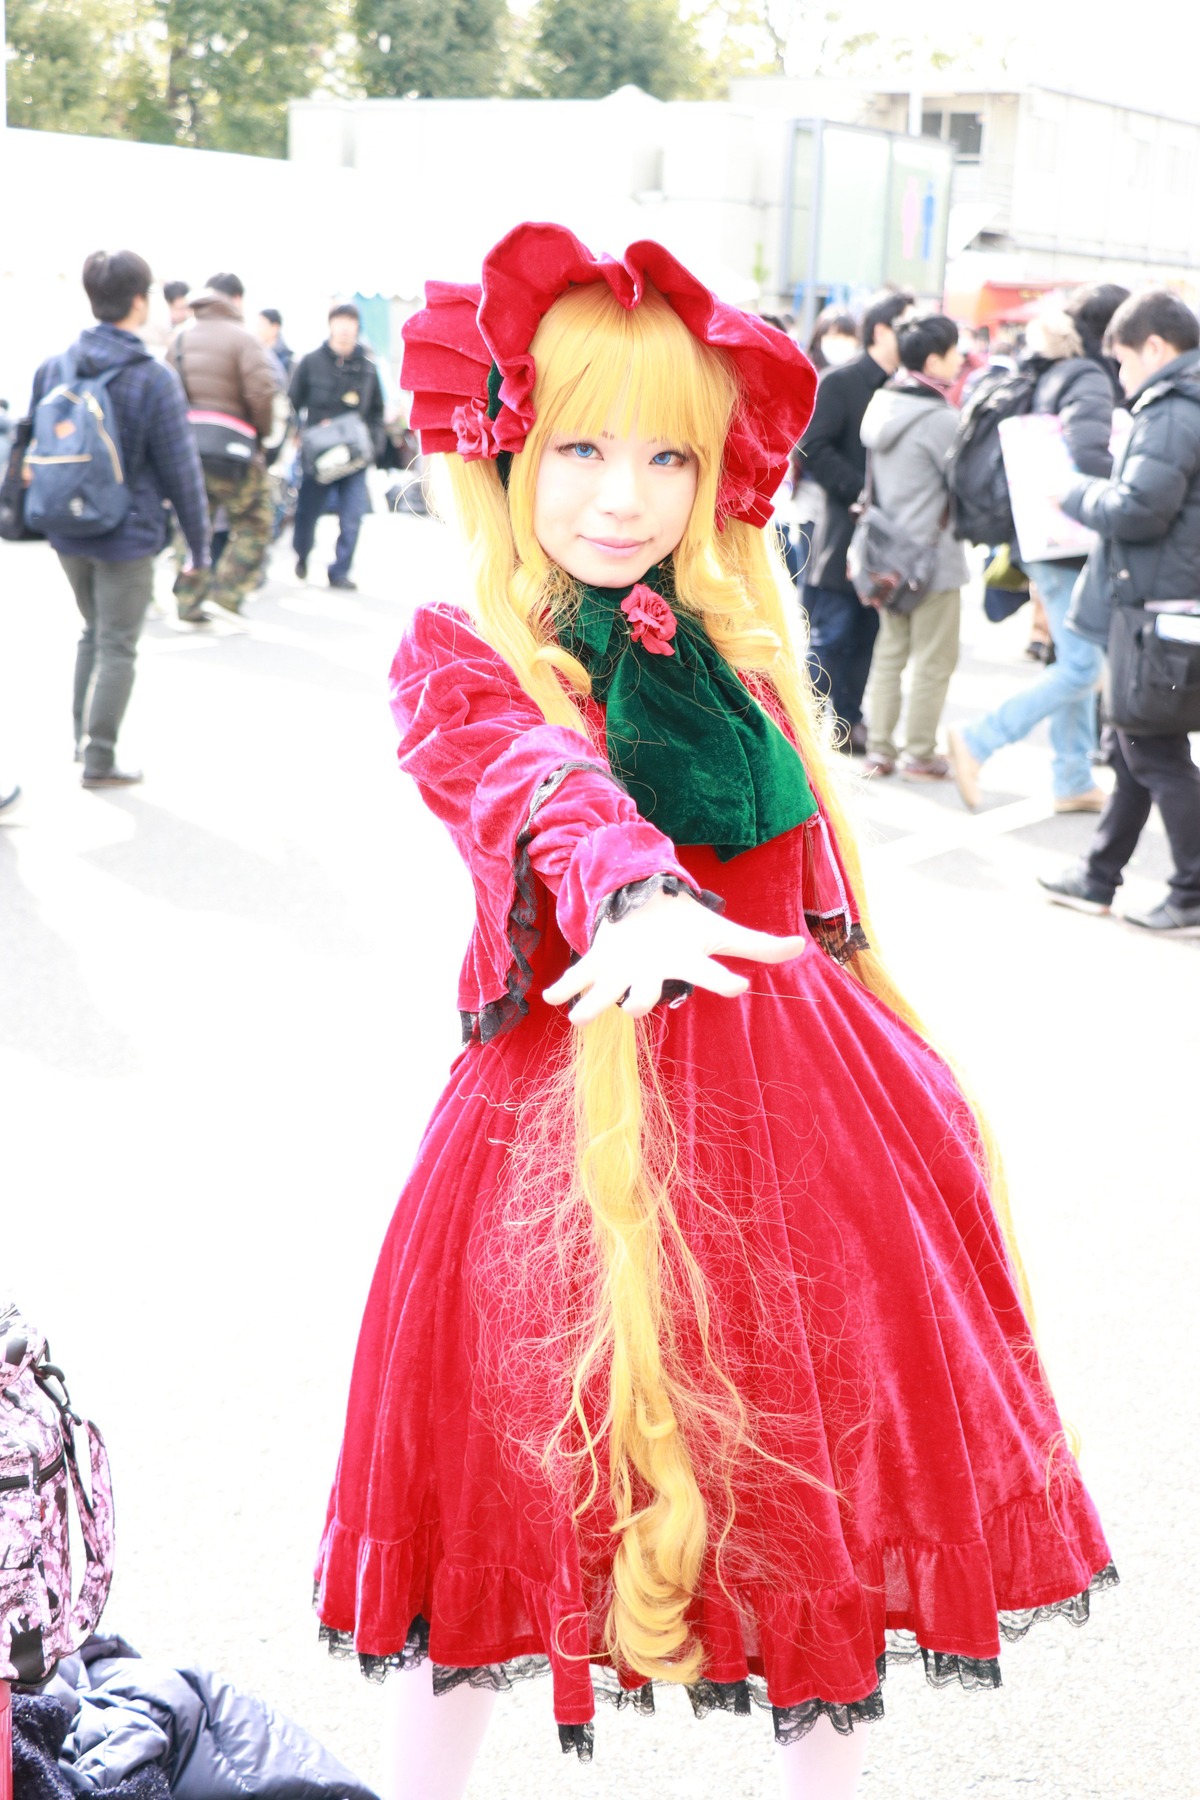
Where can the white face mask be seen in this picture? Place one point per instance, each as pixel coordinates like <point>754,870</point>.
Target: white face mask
<point>838,350</point>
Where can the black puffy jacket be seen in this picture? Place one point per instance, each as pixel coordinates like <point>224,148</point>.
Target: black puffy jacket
<point>1080,392</point>
<point>1148,514</point>
<point>209,1740</point>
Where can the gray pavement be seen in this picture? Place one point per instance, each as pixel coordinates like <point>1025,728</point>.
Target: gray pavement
<point>226,1006</point>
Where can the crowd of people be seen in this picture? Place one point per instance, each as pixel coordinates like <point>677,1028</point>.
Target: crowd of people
<point>189,425</point>
<point>898,407</point>
<point>226,436</point>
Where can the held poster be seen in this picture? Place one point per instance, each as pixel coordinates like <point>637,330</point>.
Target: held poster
<point>1038,466</point>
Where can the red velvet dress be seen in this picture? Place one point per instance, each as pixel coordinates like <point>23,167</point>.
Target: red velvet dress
<point>829,1188</point>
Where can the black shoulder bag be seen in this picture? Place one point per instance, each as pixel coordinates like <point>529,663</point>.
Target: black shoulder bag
<point>888,569</point>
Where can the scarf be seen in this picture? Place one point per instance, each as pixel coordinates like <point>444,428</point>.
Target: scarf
<point>701,759</point>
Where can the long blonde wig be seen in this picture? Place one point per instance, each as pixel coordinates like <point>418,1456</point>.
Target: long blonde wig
<point>601,367</point>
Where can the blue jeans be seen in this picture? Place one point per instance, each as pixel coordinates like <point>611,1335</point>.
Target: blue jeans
<point>347,498</point>
<point>1064,694</point>
<point>841,639</point>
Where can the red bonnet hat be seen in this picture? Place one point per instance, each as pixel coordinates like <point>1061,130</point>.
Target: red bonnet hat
<point>463,332</point>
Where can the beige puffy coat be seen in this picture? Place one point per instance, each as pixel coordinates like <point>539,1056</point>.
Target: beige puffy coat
<point>223,366</point>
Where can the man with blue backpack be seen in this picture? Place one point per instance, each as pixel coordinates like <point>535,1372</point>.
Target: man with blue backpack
<point>110,448</point>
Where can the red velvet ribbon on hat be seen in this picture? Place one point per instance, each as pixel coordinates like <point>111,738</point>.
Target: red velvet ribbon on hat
<point>452,343</point>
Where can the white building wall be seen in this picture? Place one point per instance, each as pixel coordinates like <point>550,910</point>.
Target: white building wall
<point>458,174</point>
<point>1080,187</point>
<point>298,237</point>
<point>1095,181</point>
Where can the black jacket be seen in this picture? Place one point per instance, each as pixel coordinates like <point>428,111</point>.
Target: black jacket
<point>1148,514</point>
<point>208,1740</point>
<point>324,386</point>
<point>835,458</point>
<point>1081,392</point>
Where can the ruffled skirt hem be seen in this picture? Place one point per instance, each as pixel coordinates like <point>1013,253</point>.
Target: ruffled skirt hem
<point>804,1653</point>
<point>742,1697</point>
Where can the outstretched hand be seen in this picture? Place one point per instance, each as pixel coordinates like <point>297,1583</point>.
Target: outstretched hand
<point>670,938</point>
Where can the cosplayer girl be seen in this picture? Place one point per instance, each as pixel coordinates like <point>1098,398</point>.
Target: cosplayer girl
<point>697,1351</point>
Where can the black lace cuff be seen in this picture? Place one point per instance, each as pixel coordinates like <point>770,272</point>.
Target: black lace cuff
<point>624,900</point>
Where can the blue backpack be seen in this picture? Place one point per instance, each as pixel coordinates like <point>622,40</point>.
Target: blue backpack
<point>78,486</point>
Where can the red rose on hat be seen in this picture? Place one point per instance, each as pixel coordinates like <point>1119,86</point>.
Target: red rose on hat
<point>473,431</point>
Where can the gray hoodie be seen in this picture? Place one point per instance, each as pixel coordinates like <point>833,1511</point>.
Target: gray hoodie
<point>908,429</point>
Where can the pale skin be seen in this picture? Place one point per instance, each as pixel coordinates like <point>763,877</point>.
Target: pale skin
<point>945,368</point>
<point>1137,366</point>
<point>606,510</point>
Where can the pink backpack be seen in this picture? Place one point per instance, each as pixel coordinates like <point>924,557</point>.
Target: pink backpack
<point>39,1469</point>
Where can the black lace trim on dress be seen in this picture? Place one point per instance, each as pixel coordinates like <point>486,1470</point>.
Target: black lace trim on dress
<point>833,935</point>
<point>499,1016</point>
<point>791,1723</point>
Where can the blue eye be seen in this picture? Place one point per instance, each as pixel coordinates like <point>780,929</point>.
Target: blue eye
<point>669,459</point>
<point>584,451</point>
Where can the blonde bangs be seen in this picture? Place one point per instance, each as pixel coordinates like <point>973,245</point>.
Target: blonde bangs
<point>603,367</point>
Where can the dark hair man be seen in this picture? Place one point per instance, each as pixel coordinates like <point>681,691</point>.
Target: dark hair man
<point>268,327</point>
<point>1148,518</point>
<point>112,576</point>
<point>225,370</point>
<point>229,285</point>
<point>842,630</point>
<point>908,429</point>
<point>335,379</point>
<point>175,294</point>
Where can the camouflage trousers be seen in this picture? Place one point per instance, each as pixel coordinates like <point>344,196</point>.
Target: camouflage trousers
<point>246,499</point>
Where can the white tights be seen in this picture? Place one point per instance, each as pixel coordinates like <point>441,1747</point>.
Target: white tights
<point>822,1766</point>
<point>437,1738</point>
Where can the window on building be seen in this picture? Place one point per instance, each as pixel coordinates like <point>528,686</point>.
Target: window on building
<point>962,129</point>
<point>966,134</point>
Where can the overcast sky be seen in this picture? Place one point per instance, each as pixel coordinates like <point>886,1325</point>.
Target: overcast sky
<point>1143,59</point>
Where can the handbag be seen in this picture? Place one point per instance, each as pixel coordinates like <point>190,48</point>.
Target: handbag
<point>336,448</point>
<point>13,525</point>
<point>889,569</point>
<point>225,443</point>
<point>1152,678</point>
<point>40,1623</point>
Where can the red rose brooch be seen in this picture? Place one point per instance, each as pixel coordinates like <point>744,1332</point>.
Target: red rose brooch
<point>651,621</point>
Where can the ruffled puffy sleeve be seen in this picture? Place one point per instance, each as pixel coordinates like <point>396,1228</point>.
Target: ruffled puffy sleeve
<point>529,805</point>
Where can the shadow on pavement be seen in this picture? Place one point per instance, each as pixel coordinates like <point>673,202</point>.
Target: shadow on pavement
<point>46,1008</point>
<point>197,871</point>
